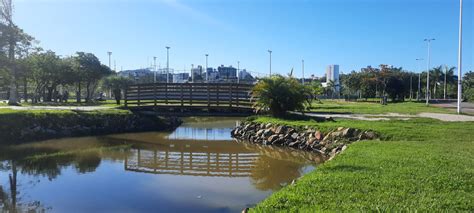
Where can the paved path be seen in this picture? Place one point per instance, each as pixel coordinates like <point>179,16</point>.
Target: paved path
<point>388,116</point>
<point>467,108</point>
<point>79,108</point>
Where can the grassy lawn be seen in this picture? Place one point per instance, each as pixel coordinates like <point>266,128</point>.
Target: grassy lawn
<point>374,108</point>
<point>420,164</point>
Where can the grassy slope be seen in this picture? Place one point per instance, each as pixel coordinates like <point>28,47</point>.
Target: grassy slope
<point>420,164</point>
<point>374,108</point>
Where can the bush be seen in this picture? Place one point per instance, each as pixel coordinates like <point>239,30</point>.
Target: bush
<point>279,95</point>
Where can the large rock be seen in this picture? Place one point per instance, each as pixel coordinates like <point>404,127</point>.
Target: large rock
<point>311,141</point>
<point>281,129</point>
<point>318,135</point>
<point>272,138</point>
<point>268,126</point>
<point>267,133</point>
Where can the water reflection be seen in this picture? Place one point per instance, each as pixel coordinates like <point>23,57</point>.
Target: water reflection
<point>231,175</point>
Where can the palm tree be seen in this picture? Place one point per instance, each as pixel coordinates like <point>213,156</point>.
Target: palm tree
<point>435,78</point>
<point>448,78</point>
<point>280,94</point>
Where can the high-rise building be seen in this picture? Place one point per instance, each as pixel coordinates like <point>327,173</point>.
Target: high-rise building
<point>332,74</point>
<point>227,73</point>
<point>180,77</point>
<point>197,72</point>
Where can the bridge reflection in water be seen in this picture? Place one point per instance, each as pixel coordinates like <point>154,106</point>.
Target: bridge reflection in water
<point>219,158</point>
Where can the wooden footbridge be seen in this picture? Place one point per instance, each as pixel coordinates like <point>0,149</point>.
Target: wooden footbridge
<point>201,96</point>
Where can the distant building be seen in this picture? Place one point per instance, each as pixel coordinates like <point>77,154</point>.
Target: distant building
<point>180,77</point>
<point>245,76</point>
<point>138,75</point>
<point>212,73</point>
<point>135,73</point>
<point>197,73</point>
<point>332,74</point>
<point>227,73</point>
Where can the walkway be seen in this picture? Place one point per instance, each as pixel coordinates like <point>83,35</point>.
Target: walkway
<point>388,116</point>
<point>77,108</point>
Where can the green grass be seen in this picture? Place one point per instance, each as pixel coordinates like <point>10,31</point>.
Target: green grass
<point>420,164</point>
<point>374,108</point>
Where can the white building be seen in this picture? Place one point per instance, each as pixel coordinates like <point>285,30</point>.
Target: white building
<point>180,77</point>
<point>332,74</point>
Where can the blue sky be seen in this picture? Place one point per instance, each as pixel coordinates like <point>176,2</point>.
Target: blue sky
<point>351,33</point>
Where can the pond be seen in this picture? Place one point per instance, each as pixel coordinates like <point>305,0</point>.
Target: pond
<point>196,168</point>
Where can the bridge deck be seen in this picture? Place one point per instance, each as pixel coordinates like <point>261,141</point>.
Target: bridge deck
<point>190,96</point>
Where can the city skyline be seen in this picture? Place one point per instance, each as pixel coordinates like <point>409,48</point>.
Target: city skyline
<point>314,31</point>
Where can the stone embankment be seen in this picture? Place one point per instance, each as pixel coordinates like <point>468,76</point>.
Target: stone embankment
<point>327,143</point>
<point>25,127</point>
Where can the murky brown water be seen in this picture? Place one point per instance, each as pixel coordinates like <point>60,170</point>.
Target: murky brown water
<point>197,168</point>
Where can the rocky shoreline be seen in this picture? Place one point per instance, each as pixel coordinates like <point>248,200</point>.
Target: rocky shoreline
<point>329,144</point>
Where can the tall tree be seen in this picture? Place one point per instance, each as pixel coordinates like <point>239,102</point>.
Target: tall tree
<point>11,37</point>
<point>89,71</point>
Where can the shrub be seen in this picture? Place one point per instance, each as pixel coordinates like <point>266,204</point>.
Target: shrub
<point>279,95</point>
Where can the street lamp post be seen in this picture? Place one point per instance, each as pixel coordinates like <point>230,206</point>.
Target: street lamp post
<point>238,71</point>
<point>167,64</point>
<point>207,73</point>
<point>411,85</point>
<point>192,73</point>
<point>154,69</point>
<point>110,54</point>
<point>302,76</point>
<point>460,59</point>
<point>418,93</point>
<point>428,70</point>
<point>270,52</point>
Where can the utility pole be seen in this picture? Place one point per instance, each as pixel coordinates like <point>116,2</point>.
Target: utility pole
<point>418,93</point>
<point>411,90</point>
<point>207,73</point>
<point>460,59</point>
<point>445,74</point>
<point>238,71</point>
<point>270,52</point>
<point>428,70</point>
<point>192,73</point>
<point>154,69</point>
<point>110,54</point>
<point>167,64</point>
<point>302,77</point>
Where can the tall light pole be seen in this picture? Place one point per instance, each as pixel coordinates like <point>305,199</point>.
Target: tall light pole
<point>192,73</point>
<point>167,64</point>
<point>154,75</point>
<point>460,59</point>
<point>428,70</point>
<point>110,54</point>
<point>238,71</point>
<point>445,87</point>
<point>302,76</point>
<point>207,73</point>
<point>418,93</point>
<point>270,52</point>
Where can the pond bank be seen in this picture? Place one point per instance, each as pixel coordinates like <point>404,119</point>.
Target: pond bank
<point>327,143</point>
<point>25,126</point>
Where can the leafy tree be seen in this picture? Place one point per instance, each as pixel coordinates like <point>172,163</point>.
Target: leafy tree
<point>280,94</point>
<point>89,71</point>
<point>468,86</point>
<point>11,37</point>
<point>48,71</point>
<point>117,84</point>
